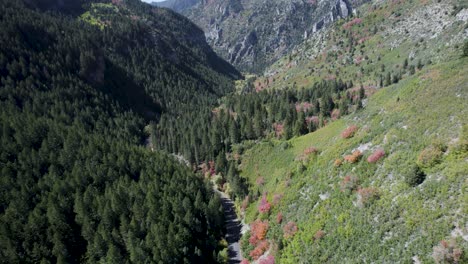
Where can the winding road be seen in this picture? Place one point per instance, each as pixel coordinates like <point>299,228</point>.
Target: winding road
<point>233,229</point>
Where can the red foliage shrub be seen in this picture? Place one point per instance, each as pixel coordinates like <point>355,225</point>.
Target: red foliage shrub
<point>447,252</point>
<point>244,261</point>
<point>349,131</point>
<point>376,156</point>
<point>349,183</point>
<point>353,158</point>
<point>279,218</point>
<point>310,150</point>
<point>258,231</point>
<point>319,235</point>
<point>367,195</point>
<point>268,260</point>
<point>258,251</point>
<point>307,152</point>
<point>264,206</point>
<point>289,230</point>
<point>351,23</point>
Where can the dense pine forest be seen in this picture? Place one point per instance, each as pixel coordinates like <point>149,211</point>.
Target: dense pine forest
<point>76,185</point>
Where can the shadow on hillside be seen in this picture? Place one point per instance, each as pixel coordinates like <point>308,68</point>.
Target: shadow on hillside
<point>233,231</point>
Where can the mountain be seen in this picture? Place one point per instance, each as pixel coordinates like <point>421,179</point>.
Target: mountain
<point>384,183</point>
<point>177,5</point>
<point>80,81</point>
<point>123,134</point>
<point>252,34</point>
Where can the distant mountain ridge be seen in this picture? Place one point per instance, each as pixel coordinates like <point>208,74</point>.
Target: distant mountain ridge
<point>252,34</point>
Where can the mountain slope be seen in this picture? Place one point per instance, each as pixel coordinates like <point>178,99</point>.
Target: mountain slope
<point>388,40</point>
<point>384,184</point>
<point>252,34</point>
<point>391,208</point>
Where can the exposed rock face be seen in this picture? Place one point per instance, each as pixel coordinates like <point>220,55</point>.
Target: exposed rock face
<point>252,34</point>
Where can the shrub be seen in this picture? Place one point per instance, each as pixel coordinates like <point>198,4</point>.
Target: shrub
<point>353,158</point>
<point>338,162</point>
<point>289,230</point>
<point>447,252</point>
<point>258,231</point>
<point>258,251</point>
<point>223,256</point>
<point>319,235</point>
<point>349,132</point>
<point>264,206</point>
<point>279,218</point>
<point>415,176</point>
<point>367,196</point>
<point>349,184</point>
<point>285,145</point>
<point>429,157</point>
<point>244,261</point>
<point>335,114</point>
<point>310,150</point>
<point>301,168</point>
<point>376,156</point>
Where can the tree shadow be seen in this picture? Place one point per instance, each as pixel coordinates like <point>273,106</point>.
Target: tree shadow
<point>233,230</point>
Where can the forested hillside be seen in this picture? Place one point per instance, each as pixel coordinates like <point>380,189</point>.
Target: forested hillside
<point>76,91</point>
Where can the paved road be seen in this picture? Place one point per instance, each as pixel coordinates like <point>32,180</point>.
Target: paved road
<point>233,229</point>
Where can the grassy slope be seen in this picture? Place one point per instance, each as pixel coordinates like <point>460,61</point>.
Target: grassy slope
<point>406,221</point>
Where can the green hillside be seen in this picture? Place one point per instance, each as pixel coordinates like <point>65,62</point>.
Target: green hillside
<point>380,213</point>
<point>385,184</point>
<point>419,123</point>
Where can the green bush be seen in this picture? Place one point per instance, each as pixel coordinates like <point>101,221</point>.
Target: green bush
<point>430,156</point>
<point>415,176</point>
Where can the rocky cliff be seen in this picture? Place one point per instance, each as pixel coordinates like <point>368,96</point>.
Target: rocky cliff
<point>251,34</point>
